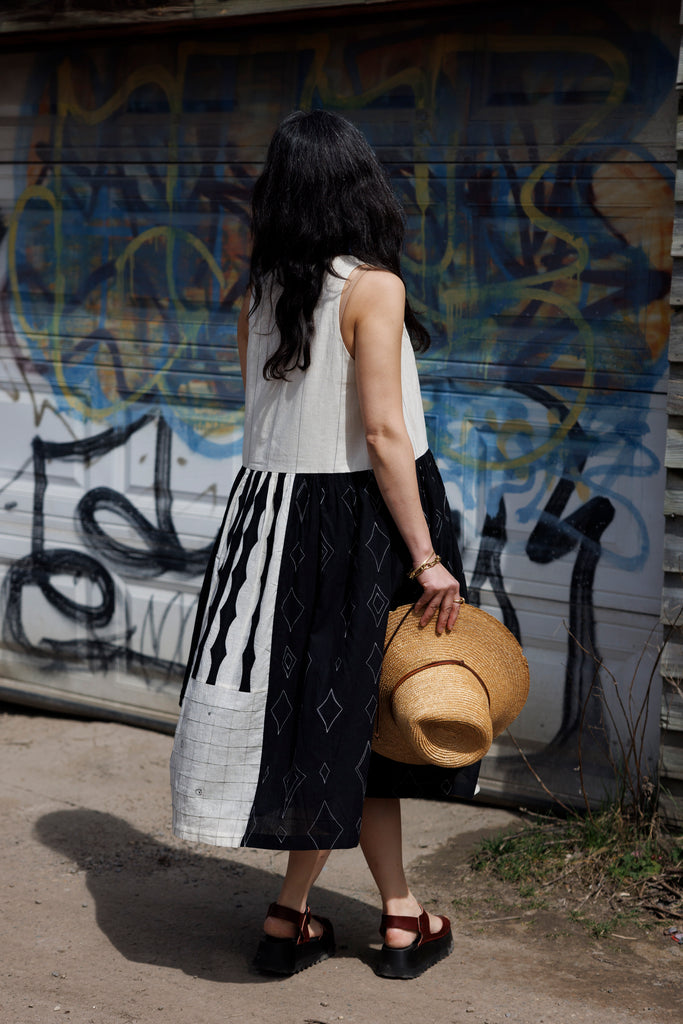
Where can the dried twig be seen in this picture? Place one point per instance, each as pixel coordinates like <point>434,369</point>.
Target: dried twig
<point>495,920</point>
<point>558,878</point>
<point>660,911</point>
<point>538,778</point>
<point>662,881</point>
<point>584,709</point>
<point>598,666</point>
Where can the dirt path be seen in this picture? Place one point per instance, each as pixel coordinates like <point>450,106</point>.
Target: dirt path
<point>107,919</point>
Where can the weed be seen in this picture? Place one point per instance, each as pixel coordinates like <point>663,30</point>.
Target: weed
<point>530,894</point>
<point>602,928</point>
<point>598,929</point>
<point>602,852</point>
<point>635,864</point>
<point>598,856</point>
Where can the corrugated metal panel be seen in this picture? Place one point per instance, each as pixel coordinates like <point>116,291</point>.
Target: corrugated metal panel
<point>536,172</point>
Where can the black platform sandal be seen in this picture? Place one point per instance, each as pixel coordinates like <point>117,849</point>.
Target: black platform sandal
<point>289,956</point>
<point>425,951</point>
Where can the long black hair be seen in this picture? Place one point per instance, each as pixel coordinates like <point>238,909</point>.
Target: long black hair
<point>322,193</point>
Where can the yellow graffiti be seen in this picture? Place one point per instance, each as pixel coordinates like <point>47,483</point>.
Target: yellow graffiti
<point>563,426</point>
<point>559,287</point>
<point>423,82</point>
<point>68,106</point>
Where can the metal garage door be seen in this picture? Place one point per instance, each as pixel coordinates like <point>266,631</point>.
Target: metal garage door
<point>534,162</point>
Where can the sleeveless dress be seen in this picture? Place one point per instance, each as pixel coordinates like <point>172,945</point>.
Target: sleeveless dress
<point>273,743</point>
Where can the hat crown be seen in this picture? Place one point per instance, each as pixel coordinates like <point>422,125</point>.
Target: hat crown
<point>444,698</point>
<point>459,730</point>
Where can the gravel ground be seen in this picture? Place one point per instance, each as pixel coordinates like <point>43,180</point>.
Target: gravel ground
<point>107,919</point>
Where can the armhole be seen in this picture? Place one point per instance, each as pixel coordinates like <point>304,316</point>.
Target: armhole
<point>350,283</point>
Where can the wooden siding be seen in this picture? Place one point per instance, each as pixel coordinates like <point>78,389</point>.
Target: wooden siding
<point>671,719</point>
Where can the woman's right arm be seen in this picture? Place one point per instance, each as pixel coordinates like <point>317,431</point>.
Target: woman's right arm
<point>374,319</point>
<point>243,334</point>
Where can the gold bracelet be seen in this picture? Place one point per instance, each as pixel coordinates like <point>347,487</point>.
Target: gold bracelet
<point>429,563</point>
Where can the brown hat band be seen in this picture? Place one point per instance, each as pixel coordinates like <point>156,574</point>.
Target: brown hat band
<point>433,720</point>
<point>421,668</point>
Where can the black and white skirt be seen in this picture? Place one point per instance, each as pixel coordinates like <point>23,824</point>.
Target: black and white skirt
<point>273,743</point>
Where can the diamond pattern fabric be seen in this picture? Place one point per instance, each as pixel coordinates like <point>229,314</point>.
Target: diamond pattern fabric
<point>273,744</point>
<point>290,769</point>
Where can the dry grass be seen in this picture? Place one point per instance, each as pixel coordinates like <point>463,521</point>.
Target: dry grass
<point>607,859</point>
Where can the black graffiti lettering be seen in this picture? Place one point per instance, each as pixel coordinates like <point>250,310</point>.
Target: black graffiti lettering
<point>488,567</point>
<point>37,569</point>
<point>162,552</point>
<point>554,537</point>
<point>583,528</point>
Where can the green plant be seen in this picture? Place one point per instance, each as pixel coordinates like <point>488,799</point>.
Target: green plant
<point>619,850</point>
<point>602,854</point>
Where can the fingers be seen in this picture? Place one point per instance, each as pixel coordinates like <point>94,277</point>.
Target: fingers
<point>452,616</point>
<point>448,613</point>
<point>427,605</point>
<point>446,601</point>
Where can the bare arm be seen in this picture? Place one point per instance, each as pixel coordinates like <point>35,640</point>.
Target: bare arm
<point>243,334</point>
<point>374,319</point>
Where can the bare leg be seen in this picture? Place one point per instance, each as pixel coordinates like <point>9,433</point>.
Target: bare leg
<point>303,867</point>
<point>381,842</point>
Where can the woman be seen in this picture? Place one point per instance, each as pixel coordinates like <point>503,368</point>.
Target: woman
<point>338,499</point>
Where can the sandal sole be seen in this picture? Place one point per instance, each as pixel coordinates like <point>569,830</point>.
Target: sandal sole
<point>412,961</point>
<point>279,956</point>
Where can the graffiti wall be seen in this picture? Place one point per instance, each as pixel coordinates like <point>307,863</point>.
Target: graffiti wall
<point>534,164</point>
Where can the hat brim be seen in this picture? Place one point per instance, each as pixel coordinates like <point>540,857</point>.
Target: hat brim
<point>443,716</point>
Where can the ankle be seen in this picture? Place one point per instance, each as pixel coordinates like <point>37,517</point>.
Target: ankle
<point>402,906</point>
<point>279,929</point>
<point>292,903</point>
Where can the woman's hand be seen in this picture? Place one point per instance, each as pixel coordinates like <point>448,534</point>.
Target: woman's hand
<point>442,591</point>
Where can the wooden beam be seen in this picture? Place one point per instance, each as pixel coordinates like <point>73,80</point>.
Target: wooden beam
<point>673,554</point>
<point>670,803</point>
<point>677,272</point>
<point>674,400</point>
<point>673,456</point>
<point>34,19</point>
<point>676,335</point>
<point>671,763</point>
<point>673,503</point>
<point>672,605</point>
<point>670,807</point>
<point>671,718</point>
<point>33,15</point>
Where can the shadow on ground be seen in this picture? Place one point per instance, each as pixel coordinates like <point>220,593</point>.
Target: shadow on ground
<point>196,913</point>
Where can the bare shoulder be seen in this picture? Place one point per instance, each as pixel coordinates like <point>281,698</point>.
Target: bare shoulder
<point>377,291</point>
<point>382,284</point>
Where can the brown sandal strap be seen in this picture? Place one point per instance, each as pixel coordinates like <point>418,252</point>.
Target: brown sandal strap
<point>406,924</point>
<point>295,917</point>
<point>415,924</point>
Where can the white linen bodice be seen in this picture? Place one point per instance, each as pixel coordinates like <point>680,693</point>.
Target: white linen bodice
<point>311,423</point>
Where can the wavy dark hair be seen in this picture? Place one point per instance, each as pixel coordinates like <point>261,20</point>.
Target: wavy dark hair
<point>322,193</point>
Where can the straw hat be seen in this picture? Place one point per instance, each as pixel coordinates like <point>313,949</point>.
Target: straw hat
<point>442,699</point>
